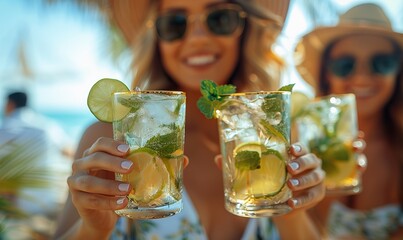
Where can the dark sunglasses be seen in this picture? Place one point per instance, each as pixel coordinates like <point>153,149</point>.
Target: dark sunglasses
<point>222,20</point>
<point>382,64</point>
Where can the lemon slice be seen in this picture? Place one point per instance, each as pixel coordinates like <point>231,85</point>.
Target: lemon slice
<point>99,99</point>
<point>149,177</point>
<point>298,101</point>
<point>265,181</point>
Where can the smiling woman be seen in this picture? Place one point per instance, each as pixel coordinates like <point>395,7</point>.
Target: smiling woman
<point>176,44</point>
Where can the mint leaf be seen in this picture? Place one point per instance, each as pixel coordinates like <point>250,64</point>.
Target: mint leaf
<point>166,144</point>
<point>287,88</point>
<point>247,160</point>
<point>206,107</point>
<point>209,89</point>
<point>212,97</point>
<point>226,89</point>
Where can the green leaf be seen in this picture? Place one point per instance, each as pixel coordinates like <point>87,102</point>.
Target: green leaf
<point>206,107</point>
<point>212,97</point>
<point>166,144</point>
<point>209,90</point>
<point>226,89</point>
<point>247,160</point>
<point>272,105</point>
<point>287,88</point>
<point>275,131</point>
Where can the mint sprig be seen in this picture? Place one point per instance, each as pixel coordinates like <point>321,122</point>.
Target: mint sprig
<point>247,160</point>
<point>287,88</point>
<point>212,97</point>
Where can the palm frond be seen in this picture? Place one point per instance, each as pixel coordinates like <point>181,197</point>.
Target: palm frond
<point>22,165</point>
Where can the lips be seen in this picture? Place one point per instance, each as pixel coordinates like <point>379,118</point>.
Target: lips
<point>363,92</point>
<point>200,60</point>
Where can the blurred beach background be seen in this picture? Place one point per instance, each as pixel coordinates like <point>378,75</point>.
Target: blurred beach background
<point>55,51</point>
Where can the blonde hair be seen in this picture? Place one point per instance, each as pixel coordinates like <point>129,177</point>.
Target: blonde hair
<point>259,67</point>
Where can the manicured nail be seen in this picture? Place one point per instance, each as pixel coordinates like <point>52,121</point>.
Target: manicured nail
<point>293,165</point>
<point>123,187</point>
<point>294,182</point>
<point>120,201</point>
<point>294,202</point>
<point>123,148</point>
<point>126,164</point>
<point>297,148</point>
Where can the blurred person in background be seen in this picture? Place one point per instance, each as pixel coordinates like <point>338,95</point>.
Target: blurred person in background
<point>18,114</point>
<point>187,50</point>
<point>363,55</point>
<point>33,142</point>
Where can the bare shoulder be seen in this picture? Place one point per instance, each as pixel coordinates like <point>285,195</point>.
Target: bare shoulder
<point>91,134</point>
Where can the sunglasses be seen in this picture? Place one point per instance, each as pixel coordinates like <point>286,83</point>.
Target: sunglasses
<point>222,20</point>
<point>382,64</point>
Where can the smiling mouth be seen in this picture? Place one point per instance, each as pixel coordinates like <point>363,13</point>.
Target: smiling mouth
<point>363,92</point>
<point>200,60</point>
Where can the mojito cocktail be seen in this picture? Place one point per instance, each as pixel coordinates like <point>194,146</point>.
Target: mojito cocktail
<point>152,124</point>
<point>255,139</point>
<point>328,127</point>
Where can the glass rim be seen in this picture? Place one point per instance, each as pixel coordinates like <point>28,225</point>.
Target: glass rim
<point>257,93</point>
<point>160,92</point>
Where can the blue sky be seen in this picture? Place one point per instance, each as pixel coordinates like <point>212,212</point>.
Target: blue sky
<point>66,51</point>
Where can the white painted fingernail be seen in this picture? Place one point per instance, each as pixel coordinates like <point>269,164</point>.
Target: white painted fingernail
<point>123,187</point>
<point>126,164</point>
<point>120,201</point>
<point>297,148</point>
<point>294,202</point>
<point>293,165</point>
<point>294,182</point>
<point>123,148</point>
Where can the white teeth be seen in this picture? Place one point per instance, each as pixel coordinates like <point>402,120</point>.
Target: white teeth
<point>201,60</point>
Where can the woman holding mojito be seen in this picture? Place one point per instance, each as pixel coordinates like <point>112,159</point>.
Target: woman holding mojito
<point>176,44</point>
<point>363,55</point>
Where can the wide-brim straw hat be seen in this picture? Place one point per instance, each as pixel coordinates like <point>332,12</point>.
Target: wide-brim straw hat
<point>131,16</point>
<point>362,19</point>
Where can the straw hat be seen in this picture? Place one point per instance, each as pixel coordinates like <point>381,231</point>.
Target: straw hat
<point>362,19</point>
<point>131,16</point>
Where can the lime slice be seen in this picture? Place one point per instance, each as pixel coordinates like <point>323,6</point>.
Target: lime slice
<point>298,101</point>
<point>266,181</point>
<point>149,177</point>
<point>99,99</point>
<point>338,162</point>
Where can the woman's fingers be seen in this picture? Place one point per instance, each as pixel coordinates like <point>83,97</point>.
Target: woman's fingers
<point>102,161</point>
<point>88,183</point>
<point>306,178</point>
<point>108,145</point>
<point>98,202</point>
<point>308,198</point>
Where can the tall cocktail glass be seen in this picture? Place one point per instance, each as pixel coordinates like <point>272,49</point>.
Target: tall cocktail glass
<point>328,126</point>
<point>254,133</point>
<point>152,123</point>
